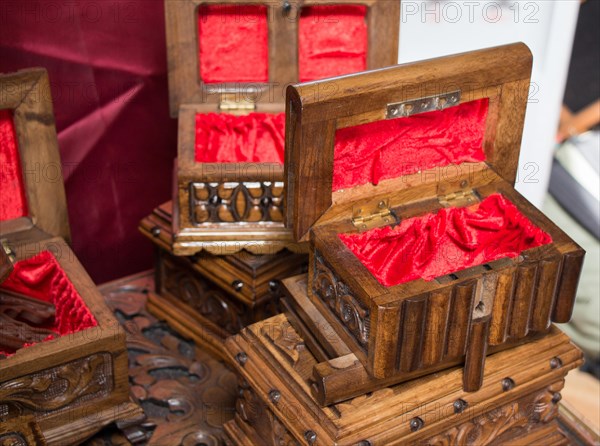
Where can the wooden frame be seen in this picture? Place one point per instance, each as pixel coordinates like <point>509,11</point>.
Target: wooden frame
<point>27,94</point>
<point>277,364</point>
<point>418,327</point>
<point>185,85</point>
<point>91,365</point>
<point>249,194</point>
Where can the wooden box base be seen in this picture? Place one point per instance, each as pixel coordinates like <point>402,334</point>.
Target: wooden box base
<point>516,404</point>
<point>208,297</point>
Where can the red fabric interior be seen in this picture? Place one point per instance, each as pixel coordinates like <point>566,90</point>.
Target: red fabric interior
<point>13,202</point>
<point>451,240</point>
<point>224,138</point>
<point>233,43</point>
<point>41,277</point>
<point>332,41</point>
<point>391,148</point>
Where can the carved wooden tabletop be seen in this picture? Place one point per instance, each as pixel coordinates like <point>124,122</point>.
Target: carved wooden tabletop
<point>186,394</point>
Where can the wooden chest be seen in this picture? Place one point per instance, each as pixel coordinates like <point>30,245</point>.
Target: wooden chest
<point>70,377</point>
<point>516,404</point>
<point>208,297</point>
<point>229,64</point>
<point>423,255</point>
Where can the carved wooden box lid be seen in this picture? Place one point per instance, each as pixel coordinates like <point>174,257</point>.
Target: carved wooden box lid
<point>232,53</point>
<point>363,138</point>
<point>32,203</point>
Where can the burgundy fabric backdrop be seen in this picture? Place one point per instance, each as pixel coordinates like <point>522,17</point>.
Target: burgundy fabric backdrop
<point>107,65</point>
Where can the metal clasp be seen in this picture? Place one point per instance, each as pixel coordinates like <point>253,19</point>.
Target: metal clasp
<point>231,103</point>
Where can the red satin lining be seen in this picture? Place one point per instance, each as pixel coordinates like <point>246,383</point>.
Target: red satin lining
<point>454,239</point>
<point>42,277</point>
<point>13,202</point>
<point>233,43</point>
<point>224,138</point>
<point>332,41</point>
<point>392,148</point>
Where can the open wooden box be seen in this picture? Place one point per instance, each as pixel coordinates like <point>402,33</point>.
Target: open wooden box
<point>73,382</point>
<point>414,167</point>
<point>229,65</point>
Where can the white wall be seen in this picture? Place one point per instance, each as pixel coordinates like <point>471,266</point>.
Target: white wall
<point>435,28</point>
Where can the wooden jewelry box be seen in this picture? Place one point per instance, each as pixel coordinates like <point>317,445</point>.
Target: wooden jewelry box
<point>515,405</point>
<point>229,64</point>
<point>66,377</point>
<point>423,254</point>
<point>207,297</point>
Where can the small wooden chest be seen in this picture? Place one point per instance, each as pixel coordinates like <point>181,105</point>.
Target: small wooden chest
<point>62,387</point>
<point>229,64</point>
<point>515,405</point>
<point>208,297</point>
<point>422,252</point>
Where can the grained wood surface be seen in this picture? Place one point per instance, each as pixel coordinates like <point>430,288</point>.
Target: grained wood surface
<point>276,358</point>
<point>209,297</point>
<point>27,94</point>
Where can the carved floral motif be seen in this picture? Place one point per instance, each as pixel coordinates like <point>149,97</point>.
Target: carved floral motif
<point>513,418</point>
<point>57,388</point>
<point>203,296</point>
<point>336,294</point>
<point>186,395</point>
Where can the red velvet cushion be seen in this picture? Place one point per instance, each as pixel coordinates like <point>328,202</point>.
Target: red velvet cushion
<point>233,43</point>
<point>434,245</point>
<point>391,148</point>
<point>332,41</point>
<point>42,277</point>
<point>13,202</point>
<point>224,138</point>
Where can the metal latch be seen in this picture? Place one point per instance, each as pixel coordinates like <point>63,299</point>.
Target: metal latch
<point>372,215</point>
<point>461,198</point>
<point>232,102</point>
<point>422,105</point>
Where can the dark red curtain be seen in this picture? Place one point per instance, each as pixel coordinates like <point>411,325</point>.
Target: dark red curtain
<point>107,65</point>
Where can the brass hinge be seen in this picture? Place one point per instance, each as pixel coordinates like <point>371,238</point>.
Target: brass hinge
<point>422,105</point>
<point>464,197</point>
<point>232,102</point>
<point>373,215</point>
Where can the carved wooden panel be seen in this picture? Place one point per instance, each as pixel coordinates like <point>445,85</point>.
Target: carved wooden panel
<point>21,432</point>
<point>236,202</point>
<point>504,423</point>
<point>337,295</point>
<point>57,389</point>
<point>202,296</point>
<point>210,301</point>
<point>186,395</point>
